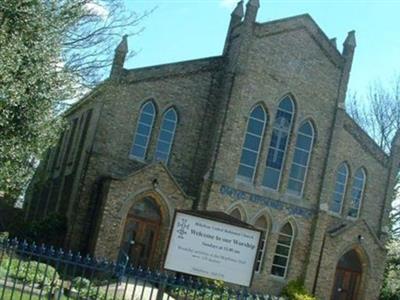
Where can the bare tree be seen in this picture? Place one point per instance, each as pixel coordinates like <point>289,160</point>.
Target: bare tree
<point>379,115</point>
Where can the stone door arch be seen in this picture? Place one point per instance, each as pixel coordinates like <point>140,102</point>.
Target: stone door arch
<point>348,276</point>
<point>142,231</point>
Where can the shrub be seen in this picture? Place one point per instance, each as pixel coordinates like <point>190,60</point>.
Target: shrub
<point>86,288</point>
<point>29,272</point>
<point>295,290</point>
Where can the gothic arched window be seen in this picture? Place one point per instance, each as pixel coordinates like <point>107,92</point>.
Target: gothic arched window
<point>252,143</point>
<point>279,142</point>
<point>166,136</point>
<point>283,251</point>
<point>301,159</point>
<point>143,131</point>
<point>261,224</point>
<point>339,191</point>
<point>357,192</point>
<point>236,213</point>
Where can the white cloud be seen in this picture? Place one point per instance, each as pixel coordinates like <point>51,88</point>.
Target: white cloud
<point>97,9</point>
<point>229,3</point>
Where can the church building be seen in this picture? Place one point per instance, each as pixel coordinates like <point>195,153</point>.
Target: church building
<point>259,132</point>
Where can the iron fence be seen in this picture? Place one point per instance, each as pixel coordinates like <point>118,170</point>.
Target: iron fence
<point>32,272</point>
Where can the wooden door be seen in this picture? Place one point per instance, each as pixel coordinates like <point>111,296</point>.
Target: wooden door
<point>346,285</point>
<point>140,239</point>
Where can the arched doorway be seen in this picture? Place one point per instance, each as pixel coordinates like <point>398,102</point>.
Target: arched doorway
<point>141,233</point>
<point>347,277</point>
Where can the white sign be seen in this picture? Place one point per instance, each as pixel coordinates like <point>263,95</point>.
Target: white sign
<point>212,249</point>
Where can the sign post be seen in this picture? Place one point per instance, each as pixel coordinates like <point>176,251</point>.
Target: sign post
<point>202,244</point>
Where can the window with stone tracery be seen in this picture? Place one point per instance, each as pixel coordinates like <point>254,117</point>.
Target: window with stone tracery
<point>143,131</point>
<point>301,159</point>
<point>252,144</point>
<point>339,191</point>
<point>166,135</point>
<point>357,192</point>
<point>279,142</point>
<point>283,250</point>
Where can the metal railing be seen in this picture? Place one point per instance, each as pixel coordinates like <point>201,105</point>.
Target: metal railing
<point>29,271</point>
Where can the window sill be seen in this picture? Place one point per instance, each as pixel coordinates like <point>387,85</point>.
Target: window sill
<point>136,158</point>
<point>334,214</point>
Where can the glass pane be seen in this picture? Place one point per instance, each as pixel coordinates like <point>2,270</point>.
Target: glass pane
<point>286,104</point>
<point>162,147</point>
<point>303,142</point>
<point>258,112</point>
<point>165,136</point>
<point>353,212</point>
<point>271,178</point>
<point>248,158</point>
<point>278,139</point>
<point>252,142</point>
<point>143,129</point>
<point>275,158</point>
<point>255,127</point>
<point>335,206</point>
<point>161,156</point>
<point>283,120</point>
<point>297,172</point>
<point>168,125</point>
<point>280,261</point>
<point>300,157</point>
<point>278,271</point>
<point>287,229</point>
<point>147,119</point>
<point>341,177</point>
<point>282,250</point>
<point>286,240</point>
<point>295,187</point>
<point>246,172</point>
<point>138,151</point>
<point>170,115</point>
<point>149,108</point>
<point>141,140</point>
<point>307,129</point>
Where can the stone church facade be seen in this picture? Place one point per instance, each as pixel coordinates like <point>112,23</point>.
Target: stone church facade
<point>259,132</point>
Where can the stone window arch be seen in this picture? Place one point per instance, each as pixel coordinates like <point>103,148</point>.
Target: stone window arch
<point>252,143</point>
<point>166,135</point>
<point>301,158</point>
<point>262,222</point>
<point>143,132</point>
<point>283,251</point>
<point>279,141</point>
<point>357,193</point>
<point>339,192</point>
<point>237,211</point>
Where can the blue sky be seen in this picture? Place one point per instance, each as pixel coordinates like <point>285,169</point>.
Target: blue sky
<point>189,29</point>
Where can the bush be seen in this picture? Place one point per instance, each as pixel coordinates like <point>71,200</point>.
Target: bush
<point>86,288</point>
<point>295,290</point>
<point>30,272</point>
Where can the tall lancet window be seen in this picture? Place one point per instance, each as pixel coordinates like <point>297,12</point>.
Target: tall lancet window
<point>252,143</point>
<point>166,136</point>
<point>339,191</point>
<point>143,131</point>
<point>301,159</point>
<point>279,142</point>
<point>282,252</point>
<point>357,192</point>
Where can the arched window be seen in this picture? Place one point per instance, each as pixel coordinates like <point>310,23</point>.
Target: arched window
<point>301,159</point>
<point>357,192</point>
<point>166,136</point>
<point>261,224</point>
<point>143,131</point>
<point>282,251</point>
<point>342,174</point>
<point>279,142</point>
<point>236,214</point>
<point>252,143</point>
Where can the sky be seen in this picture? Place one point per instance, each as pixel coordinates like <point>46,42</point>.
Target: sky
<point>189,29</point>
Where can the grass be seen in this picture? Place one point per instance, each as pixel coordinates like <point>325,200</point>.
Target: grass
<point>25,296</point>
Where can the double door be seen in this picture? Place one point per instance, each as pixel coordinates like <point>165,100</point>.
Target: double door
<point>346,284</point>
<point>140,241</point>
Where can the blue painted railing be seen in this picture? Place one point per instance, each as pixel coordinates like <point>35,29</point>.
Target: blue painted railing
<point>29,271</point>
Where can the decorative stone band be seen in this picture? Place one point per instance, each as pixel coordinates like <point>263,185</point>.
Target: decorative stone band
<point>292,209</point>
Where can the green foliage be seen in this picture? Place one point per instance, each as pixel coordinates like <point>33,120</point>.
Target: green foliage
<point>30,85</point>
<point>30,272</point>
<point>391,283</point>
<point>295,290</point>
<point>86,288</point>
